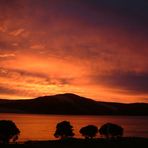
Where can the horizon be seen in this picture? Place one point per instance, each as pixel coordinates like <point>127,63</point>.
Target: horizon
<point>75,95</point>
<point>96,49</point>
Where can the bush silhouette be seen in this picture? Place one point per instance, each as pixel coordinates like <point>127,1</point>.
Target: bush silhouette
<point>64,130</point>
<point>8,131</point>
<point>110,130</point>
<point>89,131</point>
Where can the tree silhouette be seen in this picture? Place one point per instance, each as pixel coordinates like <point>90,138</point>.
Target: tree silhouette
<point>64,130</point>
<point>8,131</point>
<point>89,131</point>
<point>110,130</point>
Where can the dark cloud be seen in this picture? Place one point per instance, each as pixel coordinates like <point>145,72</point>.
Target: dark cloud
<point>132,82</point>
<point>8,91</point>
<point>4,45</point>
<point>15,92</point>
<point>34,78</point>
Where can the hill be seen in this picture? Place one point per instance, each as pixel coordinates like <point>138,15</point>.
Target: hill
<point>71,104</point>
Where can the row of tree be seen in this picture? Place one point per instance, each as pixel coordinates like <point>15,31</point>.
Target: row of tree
<point>9,131</point>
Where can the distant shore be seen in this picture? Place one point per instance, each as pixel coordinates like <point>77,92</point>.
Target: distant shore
<point>83,143</point>
<point>71,104</point>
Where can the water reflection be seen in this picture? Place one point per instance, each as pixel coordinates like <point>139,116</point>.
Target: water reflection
<point>42,127</point>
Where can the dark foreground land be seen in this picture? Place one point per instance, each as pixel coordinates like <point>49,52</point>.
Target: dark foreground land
<point>80,143</point>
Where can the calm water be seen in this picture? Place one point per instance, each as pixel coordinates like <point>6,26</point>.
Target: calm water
<point>42,127</point>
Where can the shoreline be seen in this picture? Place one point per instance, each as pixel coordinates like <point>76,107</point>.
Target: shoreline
<point>82,143</point>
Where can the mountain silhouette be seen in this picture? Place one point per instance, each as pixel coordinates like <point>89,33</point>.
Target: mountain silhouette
<point>71,104</point>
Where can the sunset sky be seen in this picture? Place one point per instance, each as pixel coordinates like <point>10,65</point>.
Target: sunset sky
<point>93,48</point>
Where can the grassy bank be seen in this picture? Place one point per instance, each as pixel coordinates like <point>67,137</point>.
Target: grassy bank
<point>81,143</point>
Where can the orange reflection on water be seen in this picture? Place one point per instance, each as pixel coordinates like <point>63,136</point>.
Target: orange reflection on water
<point>42,127</point>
